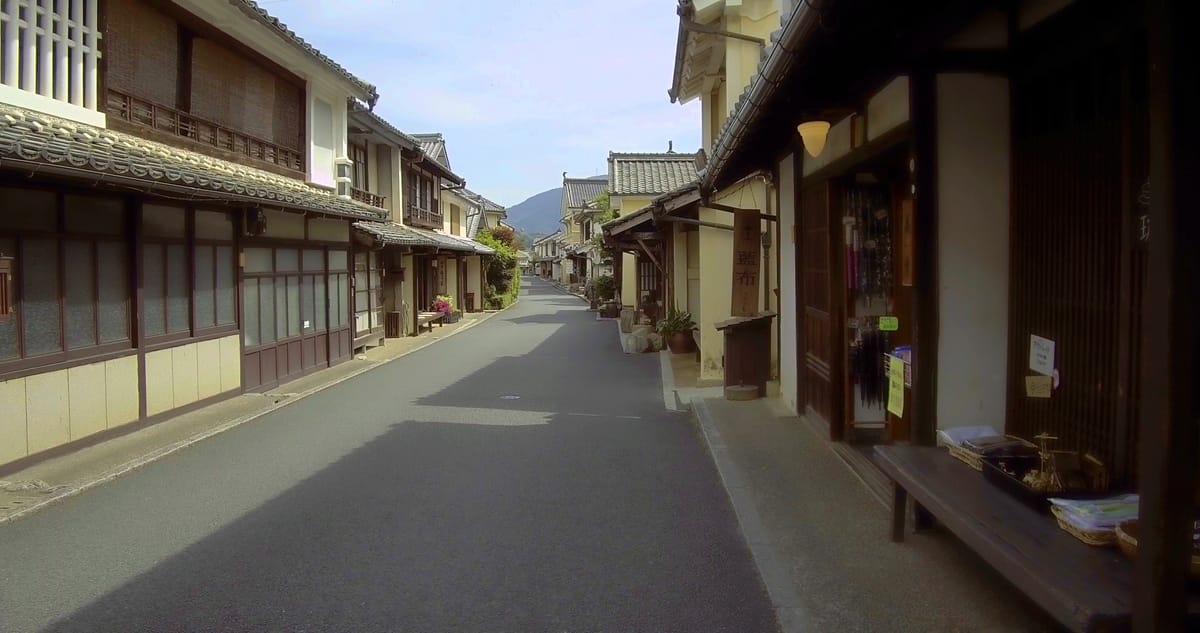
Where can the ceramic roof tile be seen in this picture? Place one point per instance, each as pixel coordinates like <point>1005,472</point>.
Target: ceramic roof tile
<point>649,174</point>
<point>434,146</point>
<point>394,234</point>
<point>37,138</point>
<point>579,191</point>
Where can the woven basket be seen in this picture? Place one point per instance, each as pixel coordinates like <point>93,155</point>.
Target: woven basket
<point>970,458</point>
<point>1127,540</point>
<point>1098,538</point>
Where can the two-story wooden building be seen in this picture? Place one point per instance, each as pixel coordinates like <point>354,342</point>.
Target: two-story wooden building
<point>176,200</point>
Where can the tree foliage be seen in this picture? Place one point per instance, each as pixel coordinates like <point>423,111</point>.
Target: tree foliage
<point>502,278</point>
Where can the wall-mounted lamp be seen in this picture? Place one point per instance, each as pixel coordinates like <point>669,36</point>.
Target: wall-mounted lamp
<point>814,134</point>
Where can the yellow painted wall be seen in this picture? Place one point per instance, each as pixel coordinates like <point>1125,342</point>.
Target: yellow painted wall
<point>181,375</point>
<point>452,282</point>
<point>474,281</point>
<point>409,290</point>
<point>46,410</point>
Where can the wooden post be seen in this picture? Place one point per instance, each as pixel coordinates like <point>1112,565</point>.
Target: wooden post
<point>1167,461</point>
<point>925,295</point>
<point>746,263</point>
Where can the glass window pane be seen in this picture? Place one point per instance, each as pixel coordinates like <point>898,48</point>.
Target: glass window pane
<point>337,260</point>
<point>281,308</point>
<point>305,304</point>
<point>206,302</point>
<point>314,260</point>
<point>81,295</point>
<point>360,261</point>
<point>214,225</point>
<point>114,292</point>
<point>250,314</point>
<point>8,327</point>
<point>178,296</point>
<point>226,289</point>
<point>266,299</point>
<point>319,302</point>
<point>287,260</point>
<point>39,302</point>
<point>295,311</point>
<point>152,292</point>
<point>258,260</point>
<point>27,209</point>
<point>160,220</point>
<point>95,214</point>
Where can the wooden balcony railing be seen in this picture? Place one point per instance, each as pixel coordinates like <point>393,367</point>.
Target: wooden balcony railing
<point>366,197</point>
<point>171,121</point>
<point>430,218</point>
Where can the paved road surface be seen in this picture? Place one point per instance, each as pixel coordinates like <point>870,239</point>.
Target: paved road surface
<point>521,476</point>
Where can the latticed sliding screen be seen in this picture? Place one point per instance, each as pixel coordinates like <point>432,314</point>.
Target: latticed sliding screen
<point>1076,277</point>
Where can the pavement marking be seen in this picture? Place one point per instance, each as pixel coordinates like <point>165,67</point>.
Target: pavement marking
<point>67,492</point>
<point>790,611</point>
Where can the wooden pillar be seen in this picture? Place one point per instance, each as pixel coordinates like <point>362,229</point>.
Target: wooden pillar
<point>923,174</point>
<point>1168,404</point>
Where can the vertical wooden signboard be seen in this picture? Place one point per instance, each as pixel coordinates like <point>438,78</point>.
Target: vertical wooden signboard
<point>746,263</point>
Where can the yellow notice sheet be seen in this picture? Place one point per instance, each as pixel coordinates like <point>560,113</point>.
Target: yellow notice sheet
<point>895,404</point>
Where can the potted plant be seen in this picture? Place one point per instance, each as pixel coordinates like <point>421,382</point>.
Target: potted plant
<point>603,287</point>
<point>676,329</point>
<point>445,305</point>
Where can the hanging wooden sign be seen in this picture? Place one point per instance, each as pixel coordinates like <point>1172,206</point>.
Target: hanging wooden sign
<point>746,257</point>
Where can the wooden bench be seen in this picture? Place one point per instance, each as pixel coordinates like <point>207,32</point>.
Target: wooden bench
<point>1085,588</point>
<point>427,319</point>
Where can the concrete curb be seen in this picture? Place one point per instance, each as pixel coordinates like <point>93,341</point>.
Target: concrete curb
<point>668,380</point>
<point>160,453</point>
<point>790,612</point>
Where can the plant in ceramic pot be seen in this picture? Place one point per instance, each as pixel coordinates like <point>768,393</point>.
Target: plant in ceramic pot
<point>603,288</point>
<point>677,330</point>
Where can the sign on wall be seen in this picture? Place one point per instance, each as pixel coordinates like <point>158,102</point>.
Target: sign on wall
<point>746,258</point>
<point>1041,355</point>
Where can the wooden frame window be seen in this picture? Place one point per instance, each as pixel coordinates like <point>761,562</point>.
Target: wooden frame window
<point>189,281</point>
<point>358,166</point>
<point>368,292</point>
<point>65,286</point>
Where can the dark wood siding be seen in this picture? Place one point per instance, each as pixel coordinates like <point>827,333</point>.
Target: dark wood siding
<point>141,51</point>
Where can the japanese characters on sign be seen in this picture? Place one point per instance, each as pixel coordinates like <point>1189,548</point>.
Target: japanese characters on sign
<point>746,262</point>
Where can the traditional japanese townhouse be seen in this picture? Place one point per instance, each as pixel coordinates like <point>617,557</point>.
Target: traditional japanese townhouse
<point>717,51</point>
<point>634,180</point>
<point>577,212</point>
<point>175,223</point>
<point>546,254</point>
<point>999,189</point>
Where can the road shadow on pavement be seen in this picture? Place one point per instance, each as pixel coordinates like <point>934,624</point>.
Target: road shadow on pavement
<point>567,525</point>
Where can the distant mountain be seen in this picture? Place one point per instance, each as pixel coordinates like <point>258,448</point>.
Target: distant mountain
<point>538,214</point>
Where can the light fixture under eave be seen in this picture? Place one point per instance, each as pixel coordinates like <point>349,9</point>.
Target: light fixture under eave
<point>814,134</point>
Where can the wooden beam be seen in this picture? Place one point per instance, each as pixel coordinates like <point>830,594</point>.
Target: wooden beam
<point>724,207</point>
<point>1168,403</point>
<point>711,225</point>
<point>654,259</point>
<point>696,27</point>
<point>925,288</point>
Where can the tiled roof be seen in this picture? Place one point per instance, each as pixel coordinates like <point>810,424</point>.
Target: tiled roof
<point>84,151</point>
<point>374,121</point>
<point>452,242</point>
<point>474,222</point>
<point>579,191</point>
<point>394,234</point>
<point>251,8</point>
<point>434,147</point>
<point>649,174</point>
<point>487,205</point>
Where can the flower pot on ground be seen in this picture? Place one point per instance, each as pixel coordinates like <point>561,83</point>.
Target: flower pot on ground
<point>610,310</point>
<point>677,330</point>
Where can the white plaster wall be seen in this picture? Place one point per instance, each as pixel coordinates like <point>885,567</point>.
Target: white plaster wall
<point>788,362</point>
<point>323,146</point>
<point>973,148</point>
<point>888,108</point>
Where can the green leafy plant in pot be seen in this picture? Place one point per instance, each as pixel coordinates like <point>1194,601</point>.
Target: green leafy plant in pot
<point>677,330</point>
<point>603,287</point>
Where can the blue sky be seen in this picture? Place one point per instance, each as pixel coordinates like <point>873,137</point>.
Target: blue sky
<point>522,90</point>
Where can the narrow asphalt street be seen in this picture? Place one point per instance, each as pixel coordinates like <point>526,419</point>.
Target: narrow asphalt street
<point>520,476</point>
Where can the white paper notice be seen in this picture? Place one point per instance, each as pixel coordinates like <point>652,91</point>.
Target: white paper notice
<point>1041,355</point>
